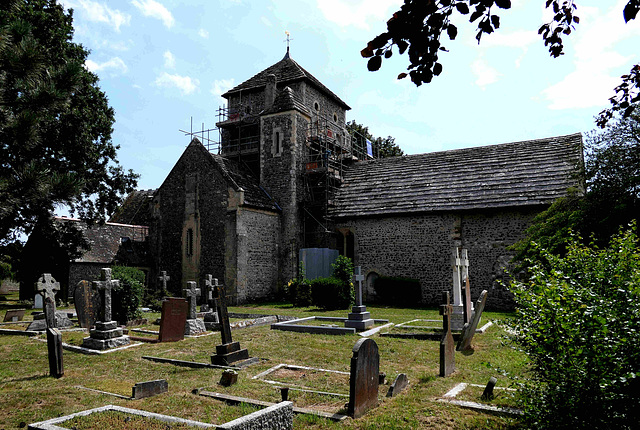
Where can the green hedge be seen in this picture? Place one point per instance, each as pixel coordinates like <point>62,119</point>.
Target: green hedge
<point>298,292</point>
<point>331,293</point>
<point>398,291</point>
<point>127,297</point>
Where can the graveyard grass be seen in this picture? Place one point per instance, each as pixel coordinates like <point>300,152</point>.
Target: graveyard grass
<point>29,395</point>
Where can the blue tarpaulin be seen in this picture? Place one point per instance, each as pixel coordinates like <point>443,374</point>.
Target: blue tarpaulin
<point>317,262</point>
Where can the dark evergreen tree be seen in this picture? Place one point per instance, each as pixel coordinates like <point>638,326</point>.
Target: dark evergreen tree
<point>381,147</point>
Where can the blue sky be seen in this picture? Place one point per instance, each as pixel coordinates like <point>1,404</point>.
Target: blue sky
<point>163,62</point>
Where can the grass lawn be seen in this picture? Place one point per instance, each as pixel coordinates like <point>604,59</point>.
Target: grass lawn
<point>28,394</point>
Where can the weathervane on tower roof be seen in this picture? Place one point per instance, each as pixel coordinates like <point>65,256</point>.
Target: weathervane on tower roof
<point>287,40</point>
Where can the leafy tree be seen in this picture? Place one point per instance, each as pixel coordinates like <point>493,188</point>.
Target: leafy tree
<point>55,123</point>
<point>127,297</point>
<point>578,320</point>
<point>381,147</point>
<point>418,27</point>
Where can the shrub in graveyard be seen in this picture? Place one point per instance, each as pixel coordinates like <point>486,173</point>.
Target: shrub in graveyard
<point>332,293</point>
<point>298,292</point>
<point>398,291</point>
<point>578,320</point>
<point>127,297</point>
<point>343,269</point>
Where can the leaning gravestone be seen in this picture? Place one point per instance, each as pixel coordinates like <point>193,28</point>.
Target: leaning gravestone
<point>469,330</point>
<point>87,303</point>
<point>47,287</point>
<point>229,351</point>
<point>14,315</point>
<point>107,334</point>
<point>173,319</point>
<point>447,346</point>
<point>359,318</point>
<point>193,325</point>
<point>401,382</point>
<point>363,379</point>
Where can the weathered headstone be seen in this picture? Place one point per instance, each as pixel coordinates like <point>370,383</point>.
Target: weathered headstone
<point>54,349</point>
<point>466,289</point>
<point>14,315</point>
<point>470,329</point>
<point>107,334</point>
<point>229,351</point>
<point>47,287</point>
<point>487,394</point>
<point>162,280</point>
<point>228,378</point>
<point>447,346</point>
<point>87,303</point>
<point>37,302</point>
<point>210,284</point>
<point>193,325</point>
<point>39,322</point>
<point>149,388</point>
<point>363,380</point>
<point>359,318</point>
<point>398,385</point>
<point>173,319</point>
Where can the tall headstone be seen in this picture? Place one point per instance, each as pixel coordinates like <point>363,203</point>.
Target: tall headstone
<point>47,287</point>
<point>363,380</point>
<point>458,262</point>
<point>229,351</point>
<point>193,325</point>
<point>469,329</point>
<point>173,319</point>
<point>466,287</point>
<point>87,303</point>
<point>211,321</point>
<point>447,346</point>
<point>107,334</point>
<point>359,318</point>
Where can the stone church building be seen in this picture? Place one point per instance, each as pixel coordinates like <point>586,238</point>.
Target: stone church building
<point>286,175</point>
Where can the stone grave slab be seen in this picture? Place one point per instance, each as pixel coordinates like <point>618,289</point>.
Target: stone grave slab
<point>173,319</point>
<point>14,315</point>
<point>399,384</point>
<point>363,379</point>
<point>87,304</point>
<point>447,345</point>
<point>149,388</point>
<point>39,322</point>
<point>469,330</point>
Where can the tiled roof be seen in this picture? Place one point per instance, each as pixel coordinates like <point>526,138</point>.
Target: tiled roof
<point>534,172</point>
<point>135,209</point>
<point>286,100</point>
<point>286,71</point>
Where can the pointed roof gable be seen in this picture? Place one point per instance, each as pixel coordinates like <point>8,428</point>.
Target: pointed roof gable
<point>286,71</point>
<point>287,100</point>
<point>529,173</point>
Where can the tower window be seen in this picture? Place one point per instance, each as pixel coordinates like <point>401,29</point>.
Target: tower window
<point>335,117</point>
<point>188,249</point>
<point>316,106</point>
<point>277,142</point>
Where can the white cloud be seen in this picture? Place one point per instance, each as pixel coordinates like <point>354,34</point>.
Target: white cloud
<point>155,10</point>
<point>266,21</point>
<point>484,73</point>
<point>221,86</point>
<point>98,12</point>
<point>203,33</point>
<point>169,60</point>
<point>357,13</point>
<point>185,84</point>
<point>115,65</point>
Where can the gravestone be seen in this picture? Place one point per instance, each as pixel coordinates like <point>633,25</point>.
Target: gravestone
<point>107,334</point>
<point>39,322</point>
<point>87,303</point>
<point>37,302</point>
<point>14,315</point>
<point>447,346</point>
<point>466,288</point>
<point>193,325</point>
<point>487,394</point>
<point>162,280</point>
<point>229,351</point>
<point>469,330</point>
<point>47,286</point>
<point>211,321</point>
<point>363,379</point>
<point>149,388</point>
<point>173,319</point>
<point>228,378</point>
<point>359,318</point>
<point>54,349</point>
<point>401,382</point>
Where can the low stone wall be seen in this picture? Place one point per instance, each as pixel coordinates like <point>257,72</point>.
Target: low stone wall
<point>276,417</point>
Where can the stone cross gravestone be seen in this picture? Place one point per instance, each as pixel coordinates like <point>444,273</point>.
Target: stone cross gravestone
<point>87,303</point>
<point>107,334</point>
<point>447,346</point>
<point>466,287</point>
<point>228,352</point>
<point>47,287</point>
<point>173,319</point>
<point>163,279</point>
<point>363,380</point>
<point>193,325</point>
<point>469,329</point>
<point>211,317</point>
<point>359,318</point>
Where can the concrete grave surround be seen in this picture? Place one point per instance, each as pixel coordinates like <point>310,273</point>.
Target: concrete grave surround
<point>363,379</point>
<point>450,397</point>
<point>173,319</point>
<point>447,345</point>
<point>470,329</point>
<point>87,303</point>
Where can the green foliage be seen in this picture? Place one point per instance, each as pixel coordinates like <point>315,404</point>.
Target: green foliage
<point>6,271</point>
<point>343,269</point>
<point>578,320</point>
<point>398,291</point>
<point>127,297</point>
<point>332,293</point>
<point>55,123</point>
<point>298,292</point>
<point>381,147</point>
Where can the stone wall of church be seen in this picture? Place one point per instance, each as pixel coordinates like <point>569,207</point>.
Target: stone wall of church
<point>420,247</point>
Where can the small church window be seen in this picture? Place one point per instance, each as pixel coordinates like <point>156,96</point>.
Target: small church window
<point>335,117</point>
<point>189,245</point>
<point>316,106</point>
<point>277,139</point>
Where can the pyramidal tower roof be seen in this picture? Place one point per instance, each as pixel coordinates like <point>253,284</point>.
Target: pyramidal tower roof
<point>286,71</point>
